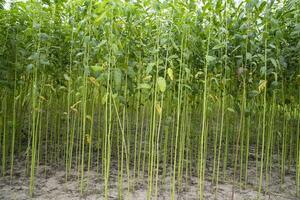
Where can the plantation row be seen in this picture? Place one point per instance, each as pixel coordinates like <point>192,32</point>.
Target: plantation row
<point>161,88</point>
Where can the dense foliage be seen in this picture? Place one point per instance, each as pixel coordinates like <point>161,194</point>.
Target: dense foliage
<point>151,85</point>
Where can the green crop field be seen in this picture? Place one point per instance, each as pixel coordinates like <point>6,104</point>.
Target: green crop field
<point>152,99</point>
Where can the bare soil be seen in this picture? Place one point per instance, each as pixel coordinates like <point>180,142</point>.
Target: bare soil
<point>50,184</point>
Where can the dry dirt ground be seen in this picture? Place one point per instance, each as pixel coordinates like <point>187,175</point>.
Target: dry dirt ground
<point>53,186</point>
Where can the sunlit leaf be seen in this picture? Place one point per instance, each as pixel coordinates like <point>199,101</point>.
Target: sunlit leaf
<point>170,73</point>
<point>161,82</point>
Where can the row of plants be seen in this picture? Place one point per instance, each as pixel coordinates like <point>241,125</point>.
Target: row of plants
<point>161,88</point>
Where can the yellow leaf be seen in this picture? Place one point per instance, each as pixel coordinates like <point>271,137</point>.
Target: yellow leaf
<point>161,84</point>
<point>170,73</point>
<point>262,85</point>
<point>158,108</point>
